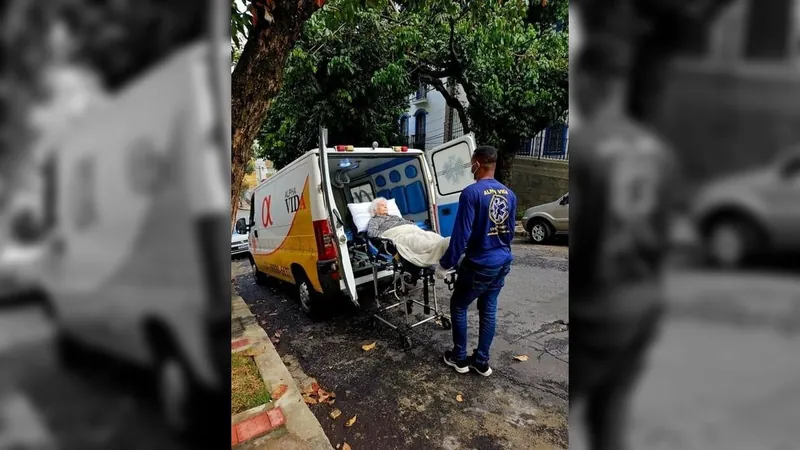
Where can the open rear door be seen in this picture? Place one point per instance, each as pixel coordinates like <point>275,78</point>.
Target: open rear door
<point>451,164</point>
<point>337,222</point>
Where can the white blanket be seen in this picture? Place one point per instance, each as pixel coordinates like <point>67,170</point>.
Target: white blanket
<point>419,247</point>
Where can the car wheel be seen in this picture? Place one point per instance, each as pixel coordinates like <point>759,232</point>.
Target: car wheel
<point>540,231</point>
<point>730,242</point>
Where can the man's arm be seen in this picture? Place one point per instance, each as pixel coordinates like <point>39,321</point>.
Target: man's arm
<point>462,230</point>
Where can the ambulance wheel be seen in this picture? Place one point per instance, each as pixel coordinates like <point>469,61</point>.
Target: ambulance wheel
<point>446,323</point>
<point>177,391</point>
<point>540,231</point>
<point>260,277</point>
<point>405,341</point>
<point>309,298</point>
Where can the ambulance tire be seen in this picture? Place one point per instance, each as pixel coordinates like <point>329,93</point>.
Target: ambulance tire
<point>178,392</point>
<point>310,300</point>
<point>260,277</point>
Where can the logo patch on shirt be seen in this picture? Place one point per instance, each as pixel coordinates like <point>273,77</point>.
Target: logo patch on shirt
<point>498,209</point>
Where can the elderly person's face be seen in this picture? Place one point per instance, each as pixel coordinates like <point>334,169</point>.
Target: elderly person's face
<point>381,208</point>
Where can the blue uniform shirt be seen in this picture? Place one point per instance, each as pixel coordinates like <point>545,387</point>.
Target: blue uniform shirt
<point>484,225</point>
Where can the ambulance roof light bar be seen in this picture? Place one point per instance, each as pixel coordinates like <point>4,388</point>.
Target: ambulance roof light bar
<point>400,149</point>
<point>344,148</point>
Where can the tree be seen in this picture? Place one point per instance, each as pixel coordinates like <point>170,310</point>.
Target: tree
<point>657,31</point>
<point>258,74</point>
<point>510,60</point>
<point>346,74</point>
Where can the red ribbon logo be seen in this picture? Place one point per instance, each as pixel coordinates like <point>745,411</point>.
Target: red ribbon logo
<point>266,215</point>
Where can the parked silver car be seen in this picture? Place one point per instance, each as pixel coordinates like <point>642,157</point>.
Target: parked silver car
<point>239,244</point>
<point>753,213</point>
<point>544,221</point>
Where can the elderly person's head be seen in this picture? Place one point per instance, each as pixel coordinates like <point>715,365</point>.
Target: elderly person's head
<point>379,207</point>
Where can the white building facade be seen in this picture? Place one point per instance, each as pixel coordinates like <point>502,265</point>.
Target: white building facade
<point>429,122</point>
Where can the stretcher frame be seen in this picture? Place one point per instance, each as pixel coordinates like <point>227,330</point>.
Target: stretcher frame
<point>404,284</point>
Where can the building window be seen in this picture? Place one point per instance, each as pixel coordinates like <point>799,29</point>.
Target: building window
<point>404,125</point>
<point>421,91</point>
<point>419,128</point>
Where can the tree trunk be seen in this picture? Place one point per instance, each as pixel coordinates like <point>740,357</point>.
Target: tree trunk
<point>257,78</point>
<point>505,162</point>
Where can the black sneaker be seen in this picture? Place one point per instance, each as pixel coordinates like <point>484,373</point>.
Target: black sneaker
<point>460,366</point>
<point>482,369</point>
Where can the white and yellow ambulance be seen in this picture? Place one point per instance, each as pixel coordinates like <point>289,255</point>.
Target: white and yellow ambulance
<point>301,226</point>
<point>136,223</point>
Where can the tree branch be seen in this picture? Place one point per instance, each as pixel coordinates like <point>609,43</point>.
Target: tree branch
<point>450,99</point>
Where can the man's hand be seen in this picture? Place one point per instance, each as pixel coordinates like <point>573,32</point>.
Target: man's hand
<point>441,272</point>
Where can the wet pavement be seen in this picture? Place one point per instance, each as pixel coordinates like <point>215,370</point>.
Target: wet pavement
<point>725,373</point>
<point>408,399</point>
<point>45,406</point>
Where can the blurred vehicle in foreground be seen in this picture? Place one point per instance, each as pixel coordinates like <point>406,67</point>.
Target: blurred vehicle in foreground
<point>545,221</point>
<point>751,214</point>
<point>118,282</point>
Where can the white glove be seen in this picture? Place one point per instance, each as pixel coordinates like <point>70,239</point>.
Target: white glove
<point>441,272</point>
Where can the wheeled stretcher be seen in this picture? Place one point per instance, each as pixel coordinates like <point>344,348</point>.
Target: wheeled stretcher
<point>405,282</point>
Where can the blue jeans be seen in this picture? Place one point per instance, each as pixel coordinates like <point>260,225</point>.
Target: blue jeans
<point>484,284</point>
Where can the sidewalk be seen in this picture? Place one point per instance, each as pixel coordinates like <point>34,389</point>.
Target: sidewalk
<point>297,428</point>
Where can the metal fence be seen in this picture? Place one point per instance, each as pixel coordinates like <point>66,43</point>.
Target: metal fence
<point>550,143</point>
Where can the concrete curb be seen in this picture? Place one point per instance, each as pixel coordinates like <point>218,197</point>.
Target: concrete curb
<point>303,430</point>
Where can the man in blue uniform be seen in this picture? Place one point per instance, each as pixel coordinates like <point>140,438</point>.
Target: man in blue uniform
<point>620,209</point>
<point>483,231</point>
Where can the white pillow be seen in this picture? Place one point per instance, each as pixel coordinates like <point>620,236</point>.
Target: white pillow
<point>361,216</point>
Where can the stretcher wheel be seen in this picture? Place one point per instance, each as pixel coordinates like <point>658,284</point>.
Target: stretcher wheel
<point>406,343</point>
<point>446,323</point>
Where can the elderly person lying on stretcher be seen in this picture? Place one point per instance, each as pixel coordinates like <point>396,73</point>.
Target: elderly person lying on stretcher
<point>419,247</point>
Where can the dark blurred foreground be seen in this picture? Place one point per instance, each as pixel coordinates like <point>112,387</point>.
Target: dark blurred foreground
<point>114,298</point>
<point>718,83</point>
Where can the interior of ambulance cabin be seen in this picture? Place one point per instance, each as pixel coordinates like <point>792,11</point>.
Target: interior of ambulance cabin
<point>360,178</point>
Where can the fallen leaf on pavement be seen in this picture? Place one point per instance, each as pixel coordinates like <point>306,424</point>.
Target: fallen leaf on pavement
<point>338,445</point>
<point>323,396</point>
<point>521,358</point>
<point>335,413</point>
<point>315,386</point>
<point>368,347</point>
<point>310,400</point>
<point>279,391</point>
<point>278,333</point>
<point>459,398</point>
<point>275,340</point>
<point>350,422</point>
<point>330,402</point>
<point>346,446</point>
<point>309,390</point>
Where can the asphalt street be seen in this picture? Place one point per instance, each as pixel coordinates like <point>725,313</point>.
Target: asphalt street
<point>409,399</point>
<point>725,373</point>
